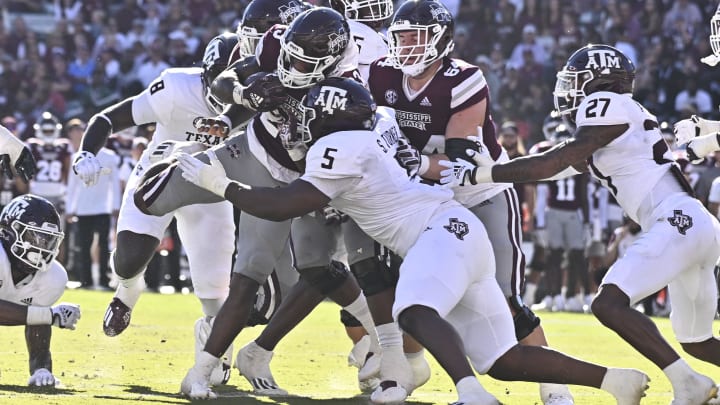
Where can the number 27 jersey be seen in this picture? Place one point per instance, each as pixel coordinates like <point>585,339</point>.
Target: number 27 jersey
<point>632,164</point>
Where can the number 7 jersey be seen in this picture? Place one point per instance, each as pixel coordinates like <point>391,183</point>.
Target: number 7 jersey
<point>632,164</point>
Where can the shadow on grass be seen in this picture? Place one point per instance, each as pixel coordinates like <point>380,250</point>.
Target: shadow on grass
<point>232,395</point>
<point>24,389</point>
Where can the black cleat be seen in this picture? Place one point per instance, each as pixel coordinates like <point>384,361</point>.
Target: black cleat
<point>117,318</point>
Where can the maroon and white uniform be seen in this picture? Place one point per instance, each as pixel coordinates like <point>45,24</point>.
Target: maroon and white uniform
<point>423,116</point>
<point>53,162</point>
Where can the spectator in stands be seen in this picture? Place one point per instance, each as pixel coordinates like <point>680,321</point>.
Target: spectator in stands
<point>81,69</point>
<point>695,96</point>
<point>67,9</point>
<point>528,43</point>
<point>128,15</point>
<point>155,64</point>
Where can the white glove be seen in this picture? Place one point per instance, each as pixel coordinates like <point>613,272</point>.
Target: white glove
<point>172,148</point>
<point>687,129</point>
<point>42,377</point>
<point>88,168</point>
<point>211,177</point>
<point>701,146</point>
<point>65,315</point>
<point>458,173</point>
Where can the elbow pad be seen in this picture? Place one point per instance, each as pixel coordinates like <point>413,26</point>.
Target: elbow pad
<point>456,148</point>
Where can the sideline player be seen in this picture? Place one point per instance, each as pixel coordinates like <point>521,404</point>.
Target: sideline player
<point>32,280</point>
<point>351,166</point>
<point>620,143</point>
<point>175,100</point>
<point>439,101</point>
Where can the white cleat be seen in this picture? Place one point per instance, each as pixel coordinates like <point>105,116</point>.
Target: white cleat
<point>697,389</point>
<point>253,362</point>
<point>420,369</point>
<point>359,352</point>
<point>716,400</point>
<point>544,305</point>
<point>389,393</point>
<point>195,385</point>
<point>626,385</point>
<point>221,373</point>
<point>369,374</point>
<point>556,394</point>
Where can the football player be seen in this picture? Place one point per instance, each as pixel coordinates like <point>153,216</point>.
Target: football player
<point>52,154</point>
<point>315,45</point>
<point>15,157</point>
<point>457,313</point>
<point>31,281</point>
<point>174,100</point>
<point>439,101</point>
<point>562,207</point>
<point>620,143</point>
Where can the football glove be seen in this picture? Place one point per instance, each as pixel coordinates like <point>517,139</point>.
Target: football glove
<point>700,146</point>
<point>687,129</point>
<point>333,215</point>
<point>409,157</point>
<point>25,165</point>
<point>87,167</point>
<point>42,377</point>
<point>217,126</point>
<point>65,315</point>
<point>264,93</point>
<point>211,176</point>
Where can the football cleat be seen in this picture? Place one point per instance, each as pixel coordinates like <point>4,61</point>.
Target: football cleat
<point>117,317</point>
<point>221,373</point>
<point>359,352</point>
<point>696,389</point>
<point>195,385</point>
<point>627,385</point>
<point>369,373</point>
<point>253,362</point>
<point>389,393</point>
<point>556,394</point>
<point>420,369</point>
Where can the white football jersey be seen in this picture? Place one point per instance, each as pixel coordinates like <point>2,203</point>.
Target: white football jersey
<point>632,164</point>
<point>358,171</point>
<point>371,45</point>
<point>174,101</point>
<point>44,288</point>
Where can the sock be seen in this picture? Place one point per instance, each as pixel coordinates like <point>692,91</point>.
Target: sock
<point>205,363</point>
<point>360,310</point>
<point>389,335</point>
<point>211,306</point>
<point>677,371</point>
<point>468,385</point>
<point>529,296</point>
<point>129,289</point>
<point>414,356</point>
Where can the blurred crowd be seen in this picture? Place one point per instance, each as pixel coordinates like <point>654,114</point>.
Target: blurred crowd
<point>98,52</point>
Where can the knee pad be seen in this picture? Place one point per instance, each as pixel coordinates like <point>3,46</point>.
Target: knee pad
<point>326,278</point>
<point>525,319</point>
<point>348,320</point>
<point>374,276</point>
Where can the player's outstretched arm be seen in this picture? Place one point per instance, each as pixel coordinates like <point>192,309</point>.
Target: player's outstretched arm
<point>274,204</point>
<point>37,338</point>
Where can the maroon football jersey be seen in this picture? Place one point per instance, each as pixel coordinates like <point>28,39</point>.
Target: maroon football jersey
<point>53,160</point>
<point>269,124</point>
<point>565,194</point>
<point>424,116</point>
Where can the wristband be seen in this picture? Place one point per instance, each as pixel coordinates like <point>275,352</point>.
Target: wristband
<point>38,315</point>
<point>483,174</point>
<point>237,94</point>
<point>424,165</point>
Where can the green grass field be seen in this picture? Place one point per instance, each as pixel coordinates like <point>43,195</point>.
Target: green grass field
<point>147,362</point>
